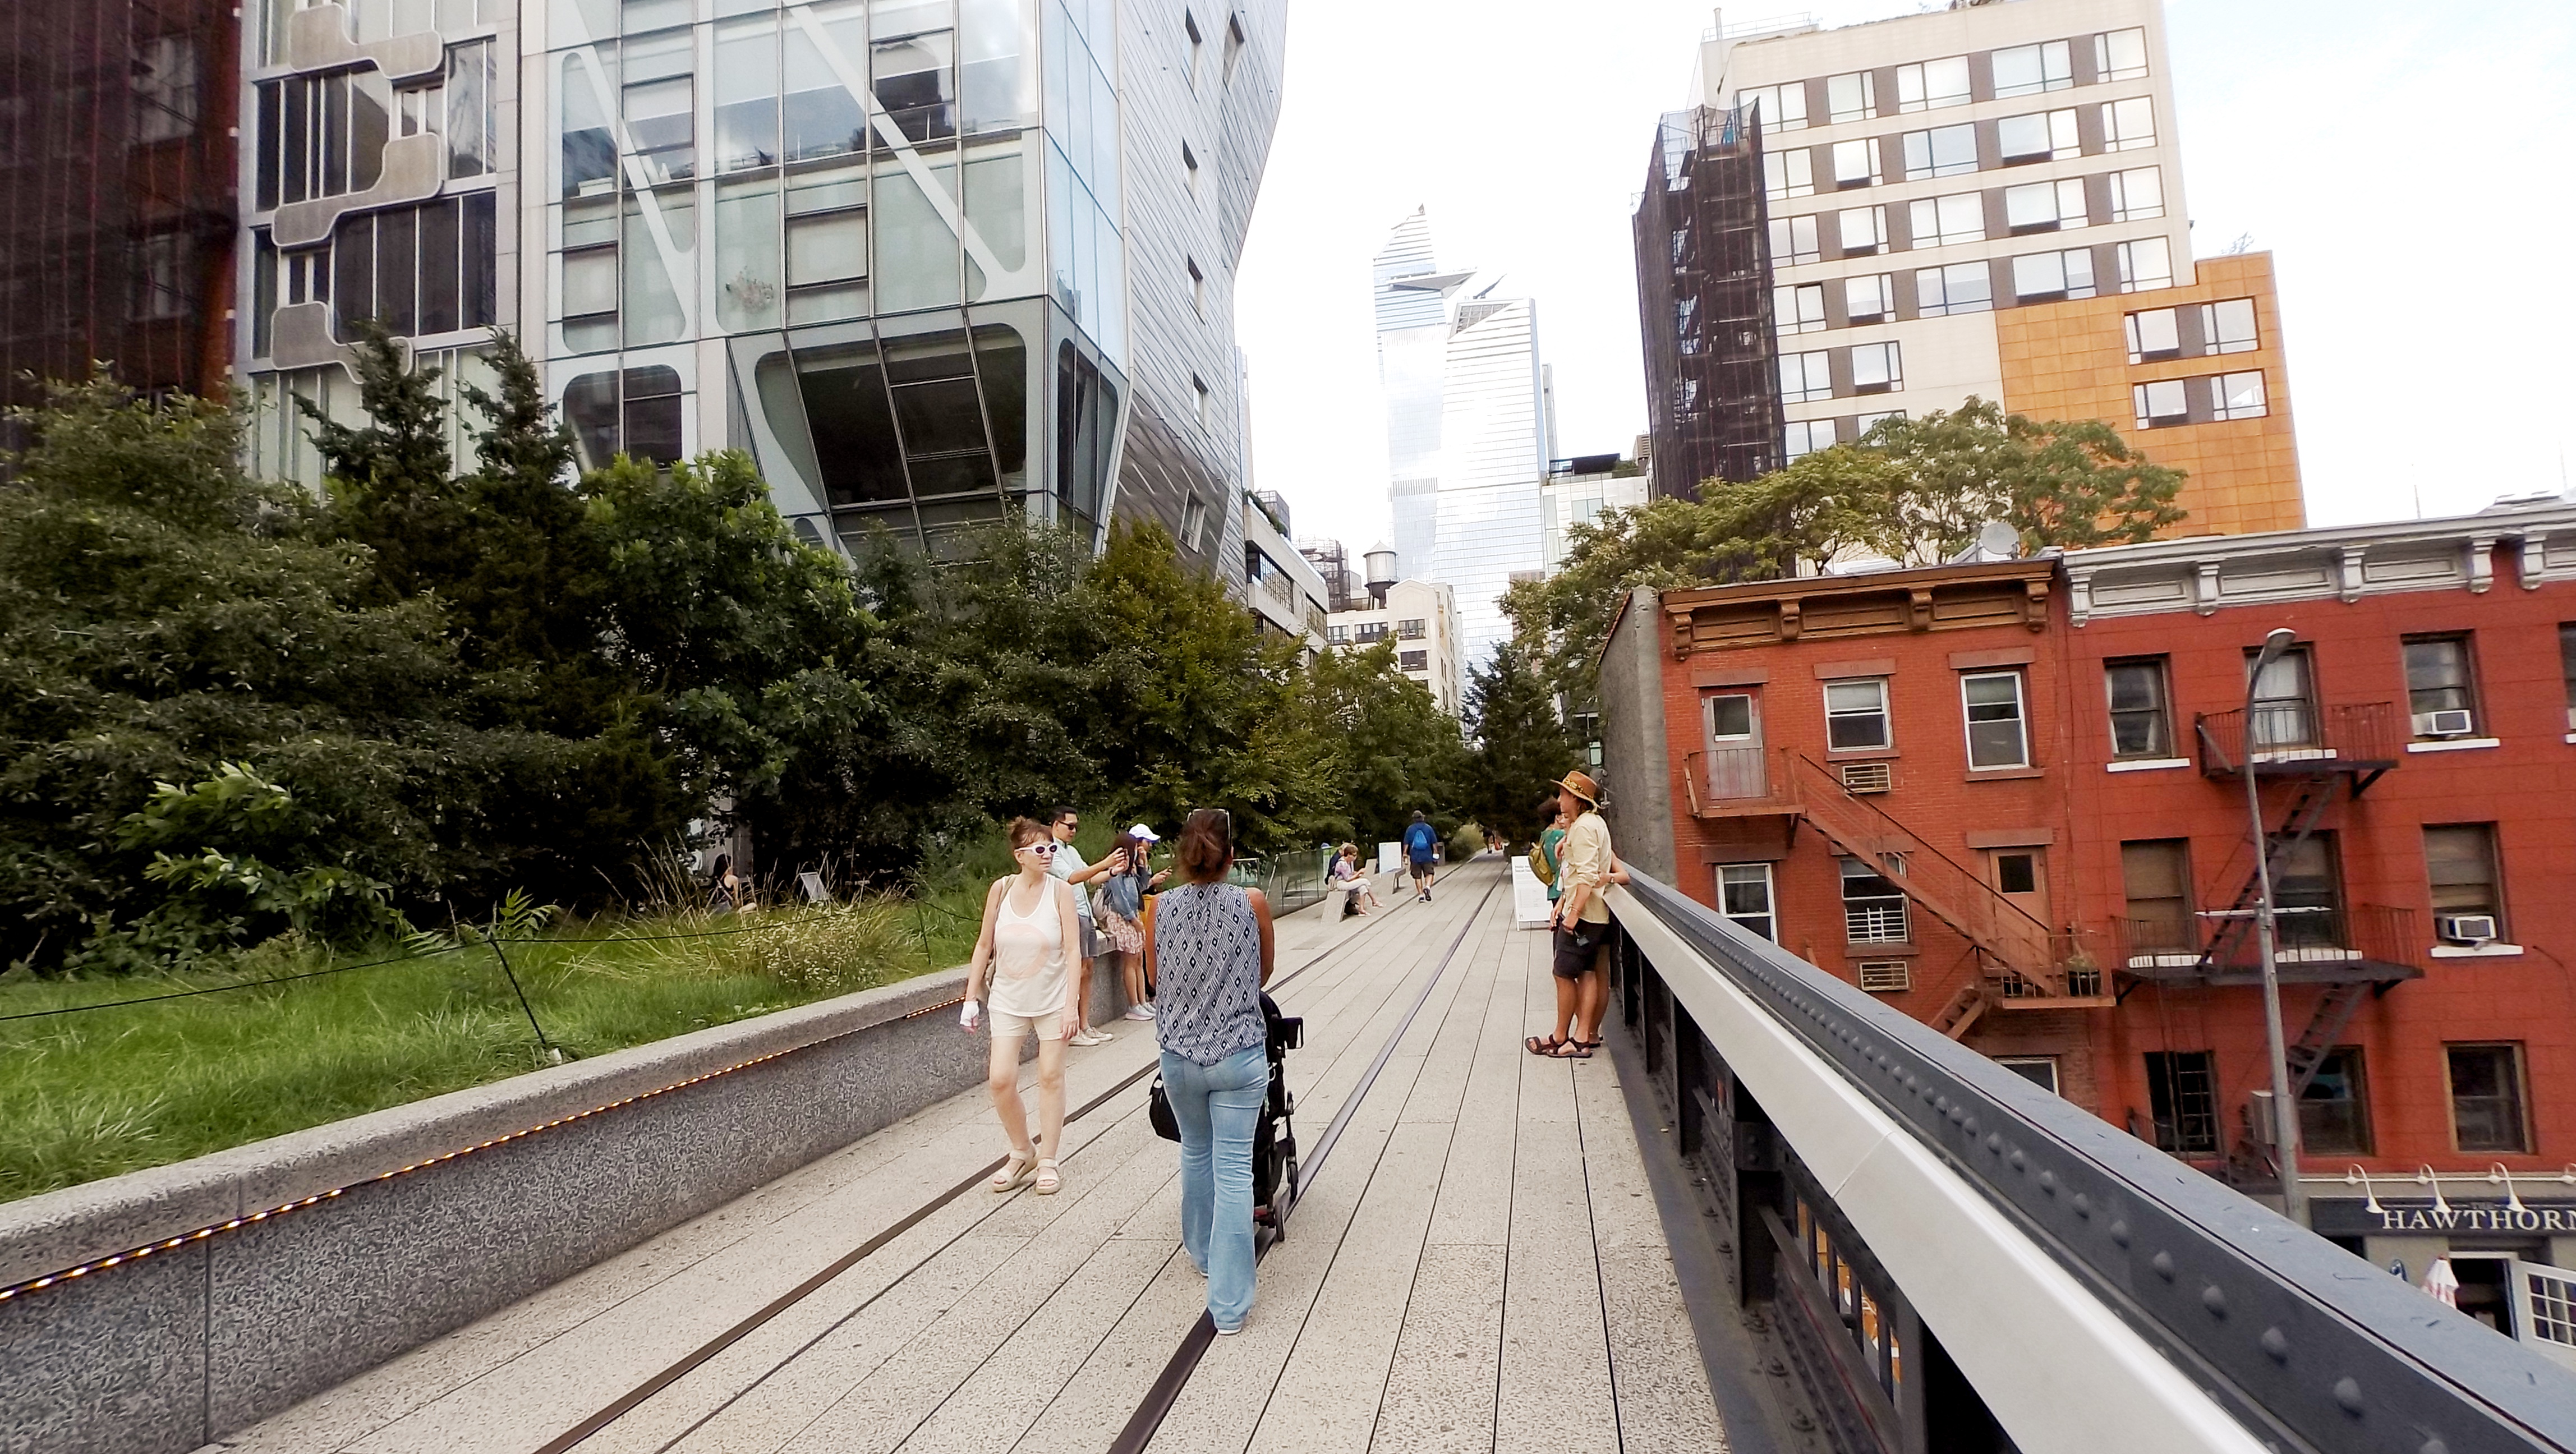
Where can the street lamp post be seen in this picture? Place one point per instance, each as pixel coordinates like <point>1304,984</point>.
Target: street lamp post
<point>2285,1113</point>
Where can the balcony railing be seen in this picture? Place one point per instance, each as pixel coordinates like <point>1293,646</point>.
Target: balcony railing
<point>2300,737</point>
<point>2351,941</point>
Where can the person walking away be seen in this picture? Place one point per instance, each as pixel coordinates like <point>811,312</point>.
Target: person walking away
<point>1580,919</point>
<point>1069,866</point>
<point>1029,928</point>
<point>1421,846</point>
<point>1119,912</point>
<point>1210,947</point>
<point>724,890</point>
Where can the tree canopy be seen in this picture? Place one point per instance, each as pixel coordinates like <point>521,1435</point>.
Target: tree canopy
<point>1915,491</point>
<point>230,708</point>
<point>1522,749</point>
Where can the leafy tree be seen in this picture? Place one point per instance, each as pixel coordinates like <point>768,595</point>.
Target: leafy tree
<point>1392,751</point>
<point>1912,490</point>
<point>213,723</point>
<point>1521,747</point>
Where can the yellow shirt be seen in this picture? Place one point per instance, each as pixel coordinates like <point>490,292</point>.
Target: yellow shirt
<point>1584,858</point>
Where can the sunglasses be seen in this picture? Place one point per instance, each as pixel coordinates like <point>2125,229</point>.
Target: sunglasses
<point>1042,850</point>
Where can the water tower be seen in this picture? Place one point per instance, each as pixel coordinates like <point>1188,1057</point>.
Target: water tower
<point>1381,573</point>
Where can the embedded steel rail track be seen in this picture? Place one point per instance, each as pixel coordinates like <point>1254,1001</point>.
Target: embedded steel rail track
<point>1193,1345</point>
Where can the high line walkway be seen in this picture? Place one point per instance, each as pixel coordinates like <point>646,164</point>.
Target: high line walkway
<point>1477,1263</point>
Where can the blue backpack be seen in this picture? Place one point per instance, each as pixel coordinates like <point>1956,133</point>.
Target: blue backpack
<point>1419,842</point>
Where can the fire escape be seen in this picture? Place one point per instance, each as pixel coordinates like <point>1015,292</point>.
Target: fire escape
<point>2022,964</point>
<point>2305,761</point>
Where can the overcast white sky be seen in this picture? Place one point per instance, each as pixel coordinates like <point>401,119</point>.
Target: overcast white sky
<point>2409,166</point>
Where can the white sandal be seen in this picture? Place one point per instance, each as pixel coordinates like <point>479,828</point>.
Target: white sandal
<point>1015,1173</point>
<point>1049,1183</point>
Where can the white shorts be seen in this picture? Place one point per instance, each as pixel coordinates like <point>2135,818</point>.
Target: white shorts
<point>1048,1027</point>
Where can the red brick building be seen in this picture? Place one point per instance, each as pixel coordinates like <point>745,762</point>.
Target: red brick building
<point>2006,797</point>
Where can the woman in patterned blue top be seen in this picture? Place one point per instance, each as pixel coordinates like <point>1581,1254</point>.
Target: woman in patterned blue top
<point>1209,946</point>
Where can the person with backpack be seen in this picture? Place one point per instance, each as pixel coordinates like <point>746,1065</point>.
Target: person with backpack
<point>1421,846</point>
<point>1550,840</point>
<point>1210,947</point>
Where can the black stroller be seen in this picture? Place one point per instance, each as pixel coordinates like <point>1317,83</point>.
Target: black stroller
<point>1274,1141</point>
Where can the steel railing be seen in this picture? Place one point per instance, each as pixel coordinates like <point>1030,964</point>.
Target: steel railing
<point>2302,737</point>
<point>2305,1346</point>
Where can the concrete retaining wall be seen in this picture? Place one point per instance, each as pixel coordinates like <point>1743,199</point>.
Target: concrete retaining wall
<point>180,1348</point>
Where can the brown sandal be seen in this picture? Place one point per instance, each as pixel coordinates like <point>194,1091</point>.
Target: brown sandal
<point>1569,1050</point>
<point>1547,1047</point>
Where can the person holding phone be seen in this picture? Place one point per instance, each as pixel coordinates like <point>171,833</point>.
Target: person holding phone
<point>1127,877</point>
<point>1023,958</point>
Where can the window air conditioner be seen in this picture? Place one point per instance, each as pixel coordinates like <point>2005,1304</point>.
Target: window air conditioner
<point>1886,976</point>
<point>2465,928</point>
<point>1867,777</point>
<point>2450,723</point>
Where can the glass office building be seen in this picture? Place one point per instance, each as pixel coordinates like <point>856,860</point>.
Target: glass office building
<point>928,260</point>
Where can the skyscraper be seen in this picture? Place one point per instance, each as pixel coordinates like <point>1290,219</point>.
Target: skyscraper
<point>1467,445</point>
<point>1986,200</point>
<point>930,261</point>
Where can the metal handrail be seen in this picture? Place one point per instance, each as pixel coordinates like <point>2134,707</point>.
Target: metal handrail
<point>2301,736</point>
<point>2303,1344</point>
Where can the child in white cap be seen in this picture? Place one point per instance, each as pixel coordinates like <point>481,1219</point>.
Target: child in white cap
<point>1120,911</point>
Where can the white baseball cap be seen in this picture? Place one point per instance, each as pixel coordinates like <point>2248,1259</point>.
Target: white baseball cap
<point>1143,834</point>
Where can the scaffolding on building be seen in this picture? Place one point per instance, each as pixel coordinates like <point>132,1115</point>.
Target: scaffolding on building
<point>1341,583</point>
<point>1704,293</point>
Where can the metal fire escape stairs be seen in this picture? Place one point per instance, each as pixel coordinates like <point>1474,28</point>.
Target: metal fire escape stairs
<point>2018,961</point>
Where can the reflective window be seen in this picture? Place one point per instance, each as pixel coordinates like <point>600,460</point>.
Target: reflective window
<point>658,103</point>
<point>2144,264</point>
<point>2334,1111</point>
<point>1788,173</point>
<point>1861,230</point>
<point>2038,137</point>
<point>1997,733</point>
<point>1799,308</point>
<point>321,135</point>
<point>1851,96</point>
<point>2044,206</point>
<point>2460,869</point>
<point>2160,403</point>
<point>1869,298</point>
<point>1929,85</point>
<point>1806,376</point>
<point>636,413</point>
<point>2237,396</point>
<point>1744,896</point>
<point>1941,221</point>
<point>2046,277</point>
<point>2025,70</point>
<point>2154,334</point>
<point>2487,1098</point>
<point>1856,163</point>
<point>1958,288</point>
<point>1793,240</point>
<point>1856,714</point>
<point>1943,151</point>
<point>2129,125</point>
<point>1877,368</point>
<point>2137,193</point>
<point>1806,436</point>
<point>2141,724</point>
<point>2120,55</point>
<point>1781,108</point>
<point>2228,326</point>
<point>419,270</point>
<point>164,88</point>
<point>2156,876</point>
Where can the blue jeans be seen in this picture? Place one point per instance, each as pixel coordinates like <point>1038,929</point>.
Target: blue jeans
<point>1218,1107</point>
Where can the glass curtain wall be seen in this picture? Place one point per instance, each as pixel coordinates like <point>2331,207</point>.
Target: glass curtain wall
<point>857,195</point>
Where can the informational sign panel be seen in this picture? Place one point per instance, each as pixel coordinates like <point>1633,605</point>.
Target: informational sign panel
<point>1529,896</point>
<point>1390,857</point>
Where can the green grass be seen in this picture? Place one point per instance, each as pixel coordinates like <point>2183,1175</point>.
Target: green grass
<point>107,1091</point>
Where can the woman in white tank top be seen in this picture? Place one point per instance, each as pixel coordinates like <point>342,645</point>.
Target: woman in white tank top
<point>1022,957</point>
